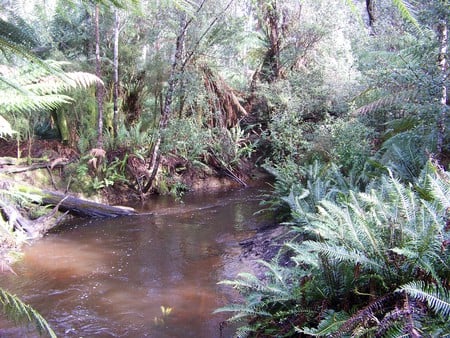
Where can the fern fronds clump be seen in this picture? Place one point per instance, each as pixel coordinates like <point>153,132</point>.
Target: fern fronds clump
<point>370,263</point>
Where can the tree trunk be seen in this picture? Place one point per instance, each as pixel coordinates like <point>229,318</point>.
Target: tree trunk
<point>63,126</point>
<point>99,85</point>
<point>443,46</point>
<point>156,155</point>
<point>116,71</point>
<point>271,65</point>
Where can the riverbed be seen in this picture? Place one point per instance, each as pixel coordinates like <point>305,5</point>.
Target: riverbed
<point>150,275</point>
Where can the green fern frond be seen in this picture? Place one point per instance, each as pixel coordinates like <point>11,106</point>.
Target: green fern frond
<point>5,128</point>
<point>385,102</point>
<point>245,280</point>
<point>19,36</point>
<point>302,257</point>
<point>20,312</point>
<point>275,271</point>
<point>242,311</point>
<point>71,80</point>
<point>406,11</point>
<point>329,325</point>
<point>402,125</point>
<point>438,300</point>
<point>341,254</point>
<point>440,188</point>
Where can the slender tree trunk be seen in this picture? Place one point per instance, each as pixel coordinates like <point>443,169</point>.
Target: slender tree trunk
<point>443,46</point>
<point>98,72</point>
<point>272,60</point>
<point>116,70</point>
<point>167,110</point>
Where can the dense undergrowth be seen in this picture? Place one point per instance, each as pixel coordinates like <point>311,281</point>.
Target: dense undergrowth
<point>371,262</point>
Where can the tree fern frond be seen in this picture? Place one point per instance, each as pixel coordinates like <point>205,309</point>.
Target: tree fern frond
<point>20,312</point>
<point>9,82</point>
<point>438,300</point>
<point>17,34</point>
<point>385,102</point>
<point>53,85</point>
<point>27,103</point>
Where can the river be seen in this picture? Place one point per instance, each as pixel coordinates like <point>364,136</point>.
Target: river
<point>151,275</point>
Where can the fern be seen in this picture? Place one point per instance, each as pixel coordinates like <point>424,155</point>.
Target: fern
<point>20,312</point>
<point>406,11</point>
<point>330,324</point>
<point>440,188</point>
<point>438,300</point>
<point>340,254</point>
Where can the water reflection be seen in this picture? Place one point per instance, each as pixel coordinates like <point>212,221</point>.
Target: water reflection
<point>112,278</point>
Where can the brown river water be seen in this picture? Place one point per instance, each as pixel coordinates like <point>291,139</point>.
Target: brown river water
<point>111,278</point>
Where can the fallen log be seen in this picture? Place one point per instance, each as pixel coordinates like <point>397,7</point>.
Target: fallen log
<point>74,205</point>
<point>82,207</point>
<point>8,167</point>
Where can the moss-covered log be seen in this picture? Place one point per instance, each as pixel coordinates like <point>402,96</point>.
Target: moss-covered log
<point>81,207</point>
<point>74,205</point>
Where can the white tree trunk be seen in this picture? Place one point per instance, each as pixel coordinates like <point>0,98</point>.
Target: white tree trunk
<point>116,70</point>
<point>443,47</point>
<point>99,85</point>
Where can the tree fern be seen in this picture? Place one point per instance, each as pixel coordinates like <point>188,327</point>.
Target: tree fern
<point>20,312</point>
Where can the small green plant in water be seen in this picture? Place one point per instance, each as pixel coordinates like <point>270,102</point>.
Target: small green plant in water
<point>165,312</point>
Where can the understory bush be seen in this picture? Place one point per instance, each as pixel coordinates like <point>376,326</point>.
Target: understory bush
<point>373,263</point>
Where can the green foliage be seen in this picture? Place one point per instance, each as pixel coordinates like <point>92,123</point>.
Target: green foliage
<point>187,139</point>
<point>20,312</point>
<point>436,298</point>
<point>362,253</point>
<point>350,145</point>
<point>229,146</point>
<point>89,179</point>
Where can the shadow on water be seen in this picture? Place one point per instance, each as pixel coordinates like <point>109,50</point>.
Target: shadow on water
<point>119,277</point>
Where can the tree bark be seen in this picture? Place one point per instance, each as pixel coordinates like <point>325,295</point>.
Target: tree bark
<point>443,46</point>
<point>99,75</point>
